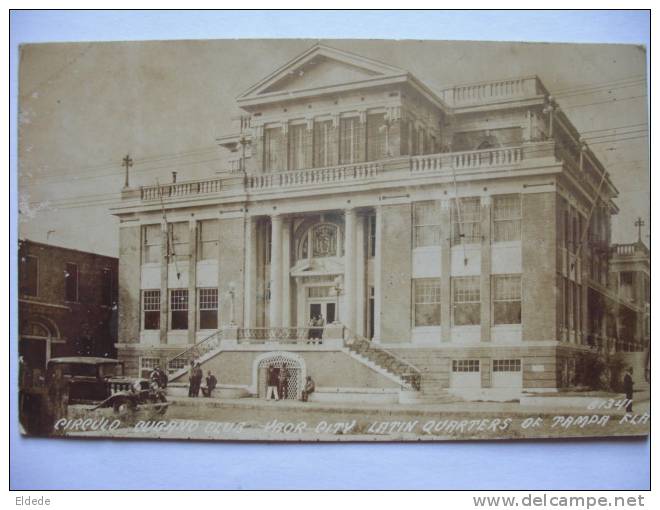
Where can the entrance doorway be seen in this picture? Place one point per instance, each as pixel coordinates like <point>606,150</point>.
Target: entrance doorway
<point>325,309</point>
<point>289,374</point>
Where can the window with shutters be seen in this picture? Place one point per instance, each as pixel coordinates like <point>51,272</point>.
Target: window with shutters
<point>507,216</point>
<point>427,301</point>
<point>151,309</point>
<point>466,220</point>
<point>507,298</point>
<point>349,129</point>
<point>151,242</point>
<point>297,146</point>
<point>208,240</point>
<point>427,224</point>
<point>466,294</point>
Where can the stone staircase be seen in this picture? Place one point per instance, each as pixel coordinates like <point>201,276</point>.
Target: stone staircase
<point>407,373</point>
<point>434,371</point>
<point>178,365</point>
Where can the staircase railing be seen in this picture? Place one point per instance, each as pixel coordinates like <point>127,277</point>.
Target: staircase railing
<point>384,358</point>
<point>182,360</point>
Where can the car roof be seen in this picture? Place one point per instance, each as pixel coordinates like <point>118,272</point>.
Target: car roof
<point>86,360</point>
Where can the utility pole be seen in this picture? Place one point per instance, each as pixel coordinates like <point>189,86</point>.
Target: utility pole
<point>127,162</point>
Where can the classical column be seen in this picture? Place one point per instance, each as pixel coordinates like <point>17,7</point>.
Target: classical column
<point>378,268</point>
<point>486,268</point>
<point>445,270</point>
<point>276,272</point>
<point>164,292</point>
<point>286,268</point>
<point>360,275</point>
<point>192,283</point>
<point>349,268</point>
<point>250,293</point>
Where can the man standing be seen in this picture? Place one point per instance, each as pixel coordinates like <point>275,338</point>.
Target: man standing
<point>283,382</point>
<point>272,380</point>
<point>191,370</point>
<point>197,377</point>
<point>211,383</point>
<point>628,388</point>
<point>309,388</point>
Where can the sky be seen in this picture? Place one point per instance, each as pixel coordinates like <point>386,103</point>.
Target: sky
<point>84,106</point>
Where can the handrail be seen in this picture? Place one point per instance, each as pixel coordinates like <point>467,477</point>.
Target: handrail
<point>410,373</point>
<point>197,350</point>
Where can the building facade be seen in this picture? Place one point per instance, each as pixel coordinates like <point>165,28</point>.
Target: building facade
<point>67,303</point>
<point>450,241</point>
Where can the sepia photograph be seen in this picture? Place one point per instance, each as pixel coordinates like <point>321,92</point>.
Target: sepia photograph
<point>333,240</point>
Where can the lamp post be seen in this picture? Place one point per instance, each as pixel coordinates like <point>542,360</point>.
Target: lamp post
<point>338,288</point>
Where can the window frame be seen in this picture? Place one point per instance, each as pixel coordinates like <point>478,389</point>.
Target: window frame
<point>436,285</point>
<point>201,308</point>
<point>201,242</point>
<point>510,365</point>
<point>465,365</point>
<point>173,309</point>
<point>455,303</point>
<point>353,139</point>
<point>146,246</point>
<point>299,156</point>
<point>36,278</point>
<point>420,224</point>
<point>458,235</point>
<point>514,220</point>
<point>172,243</point>
<point>143,304</point>
<point>66,282</point>
<point>495,300</point>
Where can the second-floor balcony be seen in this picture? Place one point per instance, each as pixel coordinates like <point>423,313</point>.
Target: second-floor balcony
<point>449,164</point>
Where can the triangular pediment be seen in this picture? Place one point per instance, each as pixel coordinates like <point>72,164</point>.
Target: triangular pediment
<point>318,68</point>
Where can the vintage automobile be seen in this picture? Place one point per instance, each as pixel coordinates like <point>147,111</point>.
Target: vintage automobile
<point>101,382</point>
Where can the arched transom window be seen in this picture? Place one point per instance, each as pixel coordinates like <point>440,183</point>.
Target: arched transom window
<point>323,239</point>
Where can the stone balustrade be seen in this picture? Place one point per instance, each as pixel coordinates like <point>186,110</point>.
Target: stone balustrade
<point>493,91</point>
<point>180,189</point>
<point>311,176</point>
<point>465,160</point>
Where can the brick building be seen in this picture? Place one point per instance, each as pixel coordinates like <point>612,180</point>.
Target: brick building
<point>67,303</point>
<point>451,241</point>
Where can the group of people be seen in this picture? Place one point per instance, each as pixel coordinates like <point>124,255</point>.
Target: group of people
<point>195,376</point>
<point>277,384</point>
<point>315,325</point>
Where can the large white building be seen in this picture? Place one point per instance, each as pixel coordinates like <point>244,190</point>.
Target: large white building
<point>451,240</point>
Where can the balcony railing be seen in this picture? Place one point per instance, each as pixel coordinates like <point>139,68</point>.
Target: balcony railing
<point>180,189</point>
<point>629,250</point>
<point>276,335</point>
<point>488,92</point>
<point>465,160</point>
<point>330,175</point>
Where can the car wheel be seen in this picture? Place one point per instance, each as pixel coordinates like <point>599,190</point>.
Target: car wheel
<point>123,406</point>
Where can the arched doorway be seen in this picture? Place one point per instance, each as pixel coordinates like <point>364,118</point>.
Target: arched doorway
<point>294,373</point>
<point>35,344</point>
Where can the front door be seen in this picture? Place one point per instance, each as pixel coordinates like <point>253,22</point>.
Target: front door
<point>325,309</point>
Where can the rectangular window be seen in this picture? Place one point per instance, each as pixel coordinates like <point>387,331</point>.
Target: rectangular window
<point>324,152</point>
<point>297,146</point>
<point>506,365</point>
<point>273,153</point>
<point>349,129</point>
<point>319,292</point>
<point>107,286</point>
<point>208,308</point>
<point>151,241</point>
<point>147,364</point>
<point>71,282</point>
<point>507,298</point>
<point>465,365</point>
<point>376,137</point>
<point>427,301</point>
<point>29,275</point>
<point>466,220</point>
<point>179,237</point>
<point>208,240</point>
<point>467,300</point>
<point>427,224</point>
<point>507,214</point>
<point>179,308</point>
<point>371,249</point>
<point>151,309</point>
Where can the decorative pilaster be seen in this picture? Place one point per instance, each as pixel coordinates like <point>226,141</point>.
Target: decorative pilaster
<point>378,269</point>
<point>350,255</point>
<point>445,269</point>
<point>285,268</point>
<point>192,283</point>
<point>164,293</point>
<point>250,306</point>
<point>360,275</point>
<point>485,268</point>
<point>276,272</point>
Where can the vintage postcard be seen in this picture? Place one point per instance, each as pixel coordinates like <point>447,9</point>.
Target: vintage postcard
<point>343,240</point>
